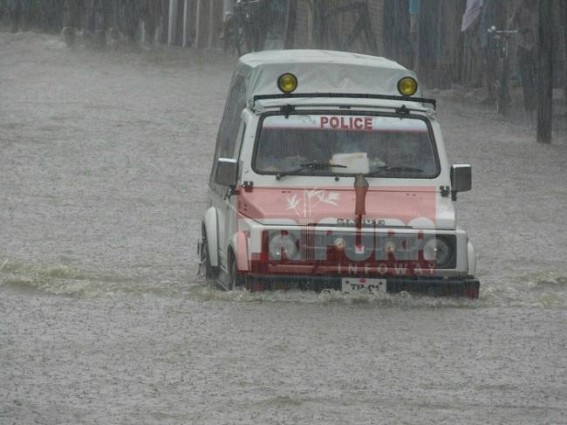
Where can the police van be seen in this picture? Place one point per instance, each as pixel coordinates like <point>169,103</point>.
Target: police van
<point>330,173</point>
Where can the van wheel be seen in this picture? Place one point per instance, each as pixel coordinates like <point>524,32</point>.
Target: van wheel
<point>205,264</point>
<point>236,280</point>
<point>232,274</point>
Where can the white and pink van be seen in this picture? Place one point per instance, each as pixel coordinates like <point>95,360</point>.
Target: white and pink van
<point>330,172</point>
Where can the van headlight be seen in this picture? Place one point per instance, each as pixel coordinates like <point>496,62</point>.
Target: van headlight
<point>282,247</point>
<point>287,82</point>
<point>407,86</point>
<point>440,251</point>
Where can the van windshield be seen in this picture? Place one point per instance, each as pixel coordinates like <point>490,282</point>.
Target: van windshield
<point>349,144</point>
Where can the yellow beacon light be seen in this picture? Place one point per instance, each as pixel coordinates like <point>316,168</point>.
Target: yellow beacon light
<point>287,83</point>
<point>407,86</point>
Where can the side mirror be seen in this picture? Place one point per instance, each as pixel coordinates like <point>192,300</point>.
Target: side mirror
<point>227,171</point>
<point>461,178</point>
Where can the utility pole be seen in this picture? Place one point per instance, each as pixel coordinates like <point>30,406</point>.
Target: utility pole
<point>545,74</point>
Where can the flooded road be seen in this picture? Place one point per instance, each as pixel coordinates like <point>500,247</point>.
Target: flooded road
<point>104,160</point>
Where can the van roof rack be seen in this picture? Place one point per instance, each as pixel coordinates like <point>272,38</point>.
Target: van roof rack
<point>432,102</point>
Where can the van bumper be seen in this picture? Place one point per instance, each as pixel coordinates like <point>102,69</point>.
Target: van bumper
<point>466,286</point>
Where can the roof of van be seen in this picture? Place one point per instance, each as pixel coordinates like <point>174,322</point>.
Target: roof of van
<point>322,71</point>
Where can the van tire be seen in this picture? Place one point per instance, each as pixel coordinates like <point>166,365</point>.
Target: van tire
<point>232,272</point>
<point>235,279</point>
<point>206,267</point>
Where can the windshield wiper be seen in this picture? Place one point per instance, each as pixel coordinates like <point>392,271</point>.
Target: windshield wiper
<point>309,166</point>
<point>387,169</point>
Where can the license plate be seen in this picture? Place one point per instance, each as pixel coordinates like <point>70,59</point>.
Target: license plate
<point>361,284</point>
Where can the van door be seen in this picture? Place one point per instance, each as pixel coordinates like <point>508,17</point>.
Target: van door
<point>226,206</point>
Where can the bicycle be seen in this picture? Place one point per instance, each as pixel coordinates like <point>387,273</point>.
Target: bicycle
<point>499,54</point>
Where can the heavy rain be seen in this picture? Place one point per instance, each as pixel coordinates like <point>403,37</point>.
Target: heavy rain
<point>109,113</point>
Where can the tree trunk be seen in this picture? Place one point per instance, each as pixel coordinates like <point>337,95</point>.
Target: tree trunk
<point>198,26</point>
<point>186,23</point>
<point>545,74</point>
<point>172,27</point>
<point>563,20</point>
<point>290,20</point>
<point>211,25</point>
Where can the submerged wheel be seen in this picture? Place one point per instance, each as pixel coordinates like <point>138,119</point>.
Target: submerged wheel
<point>205,265</point>
<point>236,280</point>
<point>232,274</point>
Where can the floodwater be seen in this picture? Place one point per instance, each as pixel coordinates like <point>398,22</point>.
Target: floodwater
<point>104,160</point>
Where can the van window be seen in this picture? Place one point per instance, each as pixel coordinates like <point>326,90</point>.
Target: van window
<point>392,146</point>
<point>228,131</point>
